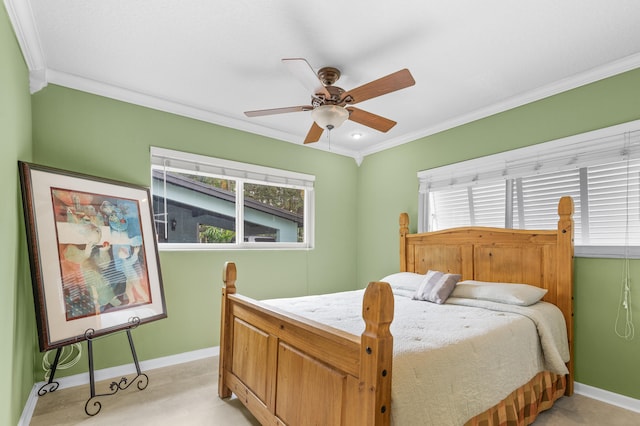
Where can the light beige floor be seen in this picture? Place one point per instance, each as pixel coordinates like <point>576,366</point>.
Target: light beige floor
<point>186,394</point>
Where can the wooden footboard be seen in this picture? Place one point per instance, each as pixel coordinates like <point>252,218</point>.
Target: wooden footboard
<point>288,370</point>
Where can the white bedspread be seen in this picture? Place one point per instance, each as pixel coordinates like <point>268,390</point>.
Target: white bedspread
<point>452,361</point>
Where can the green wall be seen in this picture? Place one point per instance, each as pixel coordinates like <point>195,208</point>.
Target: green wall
<point>16,304</point>
<point>107,138</point>
<point>102,137</point>
<point>388,185</point>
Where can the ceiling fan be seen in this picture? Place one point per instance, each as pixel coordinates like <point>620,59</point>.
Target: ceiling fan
<point>332,105</point>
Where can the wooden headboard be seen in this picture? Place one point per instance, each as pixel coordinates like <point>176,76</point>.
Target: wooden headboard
<point>542,258</point>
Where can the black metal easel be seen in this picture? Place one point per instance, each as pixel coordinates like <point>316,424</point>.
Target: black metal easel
<point>141,379</point>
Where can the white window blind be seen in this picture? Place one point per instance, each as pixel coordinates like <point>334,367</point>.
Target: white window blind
<point>521,189</point>
<point>614,203</point>
<point>450,209</point>
<point>176,160</point>
<point>536,199</point>
<point>488,204</point>
<point>480,205</point>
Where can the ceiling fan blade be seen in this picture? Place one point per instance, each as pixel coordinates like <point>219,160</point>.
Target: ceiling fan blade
<point>370,120</point>
<point>273,111</point>
<point>390,83</point>
<point>301,69</point>
<point>314,133</point>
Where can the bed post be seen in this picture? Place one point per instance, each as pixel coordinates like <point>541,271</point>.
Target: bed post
<point>565,275</point>
<point>229,275</point>
<point>404,230</point>
<point>376,355</point>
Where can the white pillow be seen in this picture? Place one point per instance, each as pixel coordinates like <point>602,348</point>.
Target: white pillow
<point>436,287</point>
<point>404,283</point>
<point>513,294</point>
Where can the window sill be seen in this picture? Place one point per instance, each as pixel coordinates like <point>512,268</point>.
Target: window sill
<point>227,247</point>
<point>608,252</point>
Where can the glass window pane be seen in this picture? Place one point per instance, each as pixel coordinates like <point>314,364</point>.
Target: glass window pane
<point>212,203</point>
<point>273,214</point>
<point>199,209</point>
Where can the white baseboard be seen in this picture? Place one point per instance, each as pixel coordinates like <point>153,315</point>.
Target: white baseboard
<point>616,399</point>
<point>27,411</point>
<point>108,373</point>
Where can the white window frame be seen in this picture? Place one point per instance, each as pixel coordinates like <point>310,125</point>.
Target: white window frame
<point>166,159</point>
<point>615,143</point>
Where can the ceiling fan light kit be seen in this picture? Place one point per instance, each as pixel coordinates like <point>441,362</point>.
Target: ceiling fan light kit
<point>329,103</point>
<point>329,116</point>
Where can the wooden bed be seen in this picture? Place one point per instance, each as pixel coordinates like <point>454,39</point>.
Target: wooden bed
<point>288,370</point>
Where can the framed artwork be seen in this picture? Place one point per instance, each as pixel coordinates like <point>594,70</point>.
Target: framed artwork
<point>93,254</point>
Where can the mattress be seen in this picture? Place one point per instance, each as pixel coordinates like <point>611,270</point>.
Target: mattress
<point>455,360</point>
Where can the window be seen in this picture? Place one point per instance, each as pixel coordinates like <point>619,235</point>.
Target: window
<point>521,189</point>
<point>205,202</point>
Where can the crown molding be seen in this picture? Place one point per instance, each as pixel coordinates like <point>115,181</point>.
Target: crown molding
<point>24,26</point>
<point>37,80</point>
<point>175,107</point>
<point>127,95</point>
<point>591,76</point>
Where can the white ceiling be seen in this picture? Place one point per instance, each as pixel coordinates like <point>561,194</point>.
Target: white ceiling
<point>212,60</point>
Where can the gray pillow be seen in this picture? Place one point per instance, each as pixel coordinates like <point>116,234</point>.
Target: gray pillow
<point>436,287</point>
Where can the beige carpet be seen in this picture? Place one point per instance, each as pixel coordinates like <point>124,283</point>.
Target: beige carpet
<point>186,394</point>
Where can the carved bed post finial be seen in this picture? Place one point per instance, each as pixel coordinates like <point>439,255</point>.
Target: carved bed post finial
<point>565,207</point>
<point>565,274</point>
<point>229,275</point>
<point>404,230</point>
<point>376,354</point>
